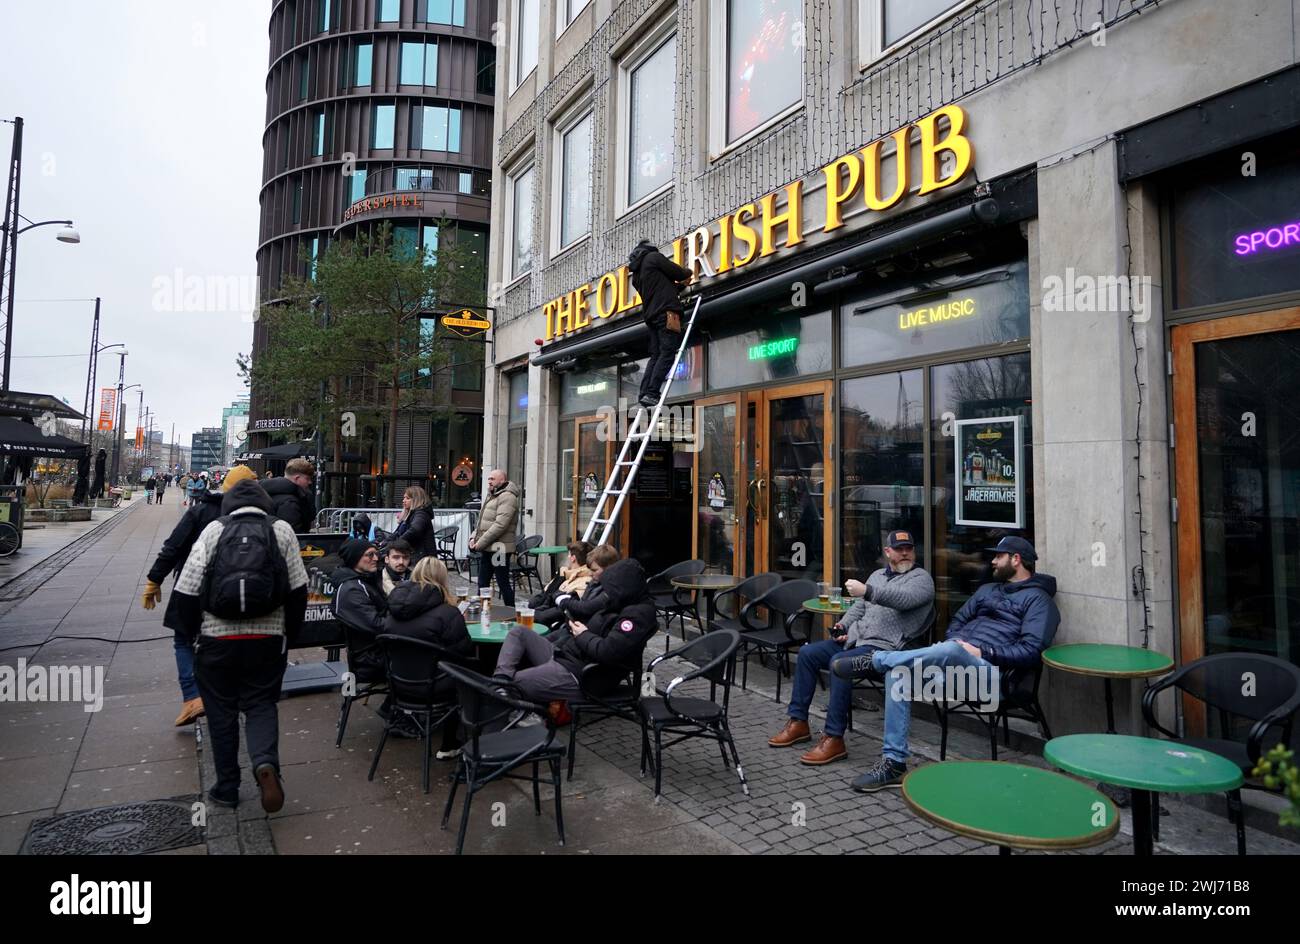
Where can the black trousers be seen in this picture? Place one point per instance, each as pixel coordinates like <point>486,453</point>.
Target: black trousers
<point>663,348</point>
<point>487,567</point>
<point>234,676</point>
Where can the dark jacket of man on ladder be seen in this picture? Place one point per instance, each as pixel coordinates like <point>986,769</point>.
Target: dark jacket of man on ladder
<point>657,279</point>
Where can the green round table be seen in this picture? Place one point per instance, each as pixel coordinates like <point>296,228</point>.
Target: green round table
<point>1107,662</point>
<point>551,550</point>
<point>1010,805</point>
<point>1146,766</point>
<point>496,632</point>
<point>815,605</point>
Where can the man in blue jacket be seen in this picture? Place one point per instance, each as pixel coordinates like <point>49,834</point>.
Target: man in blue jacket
<point>1005,625</point>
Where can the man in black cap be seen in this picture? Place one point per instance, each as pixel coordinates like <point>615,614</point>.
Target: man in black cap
<point>656,279</point>
<point>360,604</point>
<point>1005,625</point>
<point>895,604</point>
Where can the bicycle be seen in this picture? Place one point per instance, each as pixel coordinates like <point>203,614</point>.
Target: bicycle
<point>8,539</point>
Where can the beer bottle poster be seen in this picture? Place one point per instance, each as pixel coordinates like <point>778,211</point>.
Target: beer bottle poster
<point>988,471</point>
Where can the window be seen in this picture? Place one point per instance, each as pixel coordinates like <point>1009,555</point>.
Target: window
<point>389,10</point>
<point>519,215</point>
<point>381,128</point>
<point>406,240</point>
<point>566,11</point>
<point>413,178</point>
<point>648,87</point>
<point>304,74</point>
<point>786,345</point>
<point>527,21</point>
<point>315,255</point>
<point>318,134</point>
<point>466,182</point>
<point>886,24</point>
<point>486,80</point>
<point>357,185</point>
<point>517,422</point>
<point>323,21</point>
<point>574,183</point>
<point>363,66</point>
<point>764,65</point>
<point>466,365</point>
<point>430,242</point>
<point>440,128</point>
<point>447,12</point>
<point>419,64</point>
<point>297,201</point>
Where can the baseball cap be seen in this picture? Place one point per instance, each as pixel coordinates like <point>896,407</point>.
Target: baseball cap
<point>1010,545</point>
<point>897,539</point>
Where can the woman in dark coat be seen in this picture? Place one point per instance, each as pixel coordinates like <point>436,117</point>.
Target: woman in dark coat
<point>415,523</point>
<point>100,460</point>
<point>424,608</point>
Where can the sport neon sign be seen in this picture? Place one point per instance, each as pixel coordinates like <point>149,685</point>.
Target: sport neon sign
<point>773,349</point>
<point>1275,237</point>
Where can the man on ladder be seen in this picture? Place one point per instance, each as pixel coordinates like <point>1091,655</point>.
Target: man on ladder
<point>656,279</point>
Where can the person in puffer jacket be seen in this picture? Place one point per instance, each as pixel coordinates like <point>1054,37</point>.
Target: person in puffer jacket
<point>579,594</point>
<point>614,639</point>
<point>1005,625</point>
<point>424,608</point>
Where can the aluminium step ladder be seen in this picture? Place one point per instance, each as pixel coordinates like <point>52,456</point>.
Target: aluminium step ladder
<point>623,472</point>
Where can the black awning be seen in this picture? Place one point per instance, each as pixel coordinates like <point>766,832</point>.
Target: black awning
<point>18,403</point>
<point>23,439</point>
<point>296,450</point>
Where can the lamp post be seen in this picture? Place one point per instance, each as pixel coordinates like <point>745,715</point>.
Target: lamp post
<point>92,376</point>
<point>118,407</point>
<point>11,232</point>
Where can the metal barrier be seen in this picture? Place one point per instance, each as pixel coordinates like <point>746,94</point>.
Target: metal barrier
<point>339,520</point>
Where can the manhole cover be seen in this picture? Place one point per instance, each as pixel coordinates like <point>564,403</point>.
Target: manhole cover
<point>129,829</point>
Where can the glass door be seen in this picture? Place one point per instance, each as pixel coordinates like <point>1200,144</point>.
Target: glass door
<point>1237,467</point>
<point>791,458</point>
<point>720,496</point>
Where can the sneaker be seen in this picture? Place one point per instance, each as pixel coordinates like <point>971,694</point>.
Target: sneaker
<point>268,780</point>
<point>451,754</point>
<point>648,401</point>
<point>885,774</point>
<point>228,800</point>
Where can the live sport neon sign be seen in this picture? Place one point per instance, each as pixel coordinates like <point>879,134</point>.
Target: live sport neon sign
<point>1275,237</point>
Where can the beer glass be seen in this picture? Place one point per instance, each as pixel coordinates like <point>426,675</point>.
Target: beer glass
<point>526,617</point>
<point>823,593</point>
<point>836,596</point>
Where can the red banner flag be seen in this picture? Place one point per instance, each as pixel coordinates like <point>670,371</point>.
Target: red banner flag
<point>107,405</point>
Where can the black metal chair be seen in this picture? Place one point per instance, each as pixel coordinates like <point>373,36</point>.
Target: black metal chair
<point>412,678</point>
<point>618,702</point>
<point>525,562</point>
<point>365,681</point>
<point>493,751</point>
<point>687,717</point>
<point>444,543</point>
<point>673,601</point>
<point>1017,698</point>
<point>1262,689</point>
<point>728,604</point>
<point>781,634</point>
<point>864,677</point>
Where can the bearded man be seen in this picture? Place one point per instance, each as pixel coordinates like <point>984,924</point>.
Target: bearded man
<point>894,605</point>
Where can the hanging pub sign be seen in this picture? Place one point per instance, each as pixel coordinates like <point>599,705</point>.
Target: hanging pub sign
<point>989,472</point>
<point>466,323</point>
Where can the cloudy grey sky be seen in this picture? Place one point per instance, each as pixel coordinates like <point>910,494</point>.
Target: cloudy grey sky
<point>143,124</point>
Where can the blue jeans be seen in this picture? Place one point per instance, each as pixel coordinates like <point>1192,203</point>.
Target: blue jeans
<point>185,666</point>
<point>818,657</point>
<point>898,687</point>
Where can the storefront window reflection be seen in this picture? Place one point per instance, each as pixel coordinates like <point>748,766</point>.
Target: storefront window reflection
<point>786,347</point>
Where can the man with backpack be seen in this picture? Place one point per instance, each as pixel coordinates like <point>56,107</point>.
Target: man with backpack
<point>243,592</point>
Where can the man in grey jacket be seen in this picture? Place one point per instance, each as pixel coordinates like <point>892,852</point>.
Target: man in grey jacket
<point>896,603</point>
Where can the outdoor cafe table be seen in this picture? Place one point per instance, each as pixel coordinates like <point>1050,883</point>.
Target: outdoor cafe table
<point>710,585</point>
<point>1010,805</point>
<point>1107,662</point>
<point>551,550</point>
<point>1145,766</point>
<point>833,610</point>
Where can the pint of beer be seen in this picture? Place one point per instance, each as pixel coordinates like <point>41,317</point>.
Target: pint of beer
<point>526,617</point>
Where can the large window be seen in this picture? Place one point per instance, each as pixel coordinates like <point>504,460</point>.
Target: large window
<point>357,184</point>
<point>381,127</point>
<point>323,20</point>
<point>566,11</point>
<point>527,21</point>
<point>520,217</point>
<point>389,10</point>
<point>419,64</point>
<point>363,65</point>
<point>649,105</point>
<point>485,82</point>
<point>318,134</point>
<point>785,346</point>
<point>573,185</point>
<point>430,243</point>
<point>885,24</point>
<point>440,128</point>
<point>517,425</point>
<point>759,42</point>
<point>447,12</point>
<point>304,76</point>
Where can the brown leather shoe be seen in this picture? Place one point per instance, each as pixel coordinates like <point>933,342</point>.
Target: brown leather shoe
<point>794,732</point>
<point>828,749</point>
<point>191,711</point>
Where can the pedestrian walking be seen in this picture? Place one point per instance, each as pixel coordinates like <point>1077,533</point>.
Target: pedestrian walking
<point>148,489</point>
<point>243,594</point>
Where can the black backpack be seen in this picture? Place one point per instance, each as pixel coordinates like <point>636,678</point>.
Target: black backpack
<point>248,576</point>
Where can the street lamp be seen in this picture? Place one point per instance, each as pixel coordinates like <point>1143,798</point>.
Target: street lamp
<point>9,241</point>
<point>121,412</point>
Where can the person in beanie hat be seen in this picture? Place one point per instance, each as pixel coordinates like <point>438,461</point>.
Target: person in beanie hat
<point>359,604</point>
<point>204,510</point>
<point>239,660</point>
